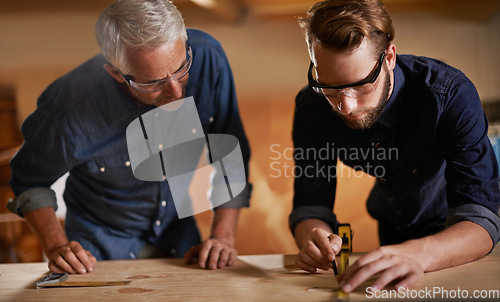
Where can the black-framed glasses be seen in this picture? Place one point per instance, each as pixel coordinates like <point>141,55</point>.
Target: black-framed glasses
<point>356,89</point>
<point>158,85</point>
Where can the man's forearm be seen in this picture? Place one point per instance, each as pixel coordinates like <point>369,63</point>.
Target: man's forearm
<point>47,227</point>
<point>224,224</point>
<point>63,256</point>
<point>460,243</point>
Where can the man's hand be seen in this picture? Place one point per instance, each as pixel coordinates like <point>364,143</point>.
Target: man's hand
<point>218,251</point>
<point>405,263</point>
<point>71,258</point>
<point>400,263</point>
<point>212,253</point>
<point>318,249</point>
<point>63,256</point>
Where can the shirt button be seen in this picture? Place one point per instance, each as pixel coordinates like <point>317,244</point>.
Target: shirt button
<point>383,180</point>
<point>193,130</point>
<point>416,172</point>
<point>377,145</point>
<point>102,169</point>
<point>158,222</point>
<point>127,163</point>
<point>163,203</point>
<point>211,119</point>
<point>160,146</point>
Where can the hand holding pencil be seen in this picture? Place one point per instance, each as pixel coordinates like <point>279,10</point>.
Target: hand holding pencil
<point>318,246</point>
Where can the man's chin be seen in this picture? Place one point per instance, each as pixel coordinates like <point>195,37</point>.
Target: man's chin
<point>357,125</point>
<point>162,102</point>
<point>360,121</point>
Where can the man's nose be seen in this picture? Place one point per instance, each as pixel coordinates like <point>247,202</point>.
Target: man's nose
<point>173,89</point>
<point>346,104</point>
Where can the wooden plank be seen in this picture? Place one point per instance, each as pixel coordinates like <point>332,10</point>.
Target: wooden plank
<point>54,6</point>
<point>252,278</point>
<point>6,156</point>
<point>7,105</point>
<point>228,10</point>
<point>9,217</point>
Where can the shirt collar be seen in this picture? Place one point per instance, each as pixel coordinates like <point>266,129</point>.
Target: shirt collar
<point>389,114</point>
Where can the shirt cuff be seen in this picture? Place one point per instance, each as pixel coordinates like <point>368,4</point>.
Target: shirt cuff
<point>312,212</point>
<point>478,214</point>
<point>32,199</point>
<point>241,200</point>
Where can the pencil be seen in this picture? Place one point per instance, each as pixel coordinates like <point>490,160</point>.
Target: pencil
<point>335,271</point>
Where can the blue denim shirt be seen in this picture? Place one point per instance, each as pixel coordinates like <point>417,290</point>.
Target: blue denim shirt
<point>79,126</point>
<point>429,151</point>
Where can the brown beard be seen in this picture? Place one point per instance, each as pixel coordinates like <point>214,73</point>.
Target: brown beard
<point>374,113</point>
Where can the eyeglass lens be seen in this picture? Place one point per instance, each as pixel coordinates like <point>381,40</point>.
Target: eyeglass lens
<point>161,84</point>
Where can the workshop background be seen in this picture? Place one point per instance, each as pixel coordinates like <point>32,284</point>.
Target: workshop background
<point>42,40</point>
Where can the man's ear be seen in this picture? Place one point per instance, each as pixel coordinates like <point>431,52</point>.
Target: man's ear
<point>391,56</point>
<point>114,72</point>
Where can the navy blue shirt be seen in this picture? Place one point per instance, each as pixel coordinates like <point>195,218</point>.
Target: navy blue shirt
<point>79,126</point>
<point>429,151</point>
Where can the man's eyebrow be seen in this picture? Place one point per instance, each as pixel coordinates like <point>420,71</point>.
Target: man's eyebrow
<point>177,70</point>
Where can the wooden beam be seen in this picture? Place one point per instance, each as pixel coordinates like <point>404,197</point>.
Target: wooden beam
<point>227,10</point>
<point>37,6</point>
<point>477,10</point>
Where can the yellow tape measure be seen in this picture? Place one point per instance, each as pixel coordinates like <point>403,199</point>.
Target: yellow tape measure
<point>345,232</point>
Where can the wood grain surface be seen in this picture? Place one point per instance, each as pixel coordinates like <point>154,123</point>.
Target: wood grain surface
<point>252,278</point>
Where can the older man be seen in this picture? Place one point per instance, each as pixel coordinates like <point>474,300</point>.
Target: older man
<point>148,59</point>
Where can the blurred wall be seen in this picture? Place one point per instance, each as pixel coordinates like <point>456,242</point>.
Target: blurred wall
<point>269,61</point>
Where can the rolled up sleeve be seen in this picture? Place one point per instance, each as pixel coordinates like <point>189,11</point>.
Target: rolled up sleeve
<point>41,160</point>
<point>32,199</point>
<point>478,214</point>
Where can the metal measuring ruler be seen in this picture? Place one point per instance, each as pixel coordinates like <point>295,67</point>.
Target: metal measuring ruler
<point>59,280</point>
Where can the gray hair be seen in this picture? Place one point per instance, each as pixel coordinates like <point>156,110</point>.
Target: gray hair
<point>134,24</point>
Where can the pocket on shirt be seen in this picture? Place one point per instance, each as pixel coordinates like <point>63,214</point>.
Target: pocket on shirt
<point>416,172</point>
<point>113,171</point>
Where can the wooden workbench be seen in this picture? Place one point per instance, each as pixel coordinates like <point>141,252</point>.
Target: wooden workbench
<point>252,278</point>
